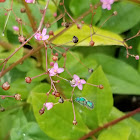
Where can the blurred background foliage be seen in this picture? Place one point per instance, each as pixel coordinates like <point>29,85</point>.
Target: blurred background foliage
<point>120,76</point>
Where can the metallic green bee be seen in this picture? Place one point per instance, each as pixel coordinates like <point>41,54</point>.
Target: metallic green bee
<point>89,105</point>
<point>83,101</point>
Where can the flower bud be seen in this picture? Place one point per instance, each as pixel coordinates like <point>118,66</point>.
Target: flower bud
<point>22,10</point>
<point>57,94</point>
<point>28,79</point>
<point>42,11</point>
<point>79,26</point>
<point>2,109</point>
<point>92,43</point>
<point>51,33</point>
<point>137,57</point>
<point>54,58</point>
<point>115,13</point>
<point>66,24</point>
<point>61,100</point>
<point>51,63</point>
<point>90,70</point>
<point>19,20</point>
<point>56,54</point>
<point>74,122</point>
<point>61,3</point>
<point>2,97</point>
<point>55,14</point>
<point>101,86</point>
<point>41,111</point>
<point>64,54</point>
<point>17,96</point>
<point>21,39</point>
<point>127,56</point>
<point>48,25</point>
<point>5,86</point>
<point>82,22</point>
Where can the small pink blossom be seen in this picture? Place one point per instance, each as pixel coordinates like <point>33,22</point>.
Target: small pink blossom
<point>49,105</point>
<point>76,81</point>
<point>55,70</point>
<point>16,28</point>
<point>137,57</point>
<point>42,36</point>
<point>30,1</point>
<point>106,4</point>
<point>55,14</point>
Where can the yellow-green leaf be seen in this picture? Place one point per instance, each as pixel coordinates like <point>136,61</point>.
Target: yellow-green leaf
<point>102,37</point>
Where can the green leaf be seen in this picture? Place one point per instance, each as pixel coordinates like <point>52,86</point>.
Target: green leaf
<point>58,119</point>
<point>102,99</point>
<point>123,78</point>
<point>119,131</point>
<point>26,130</point>
<point>85,6</point>
<point>84,33</point>
<point>27,65</point>
<point>7,118</point>
<point>78,65</point>
<point>35,72</point>
<point>134,43</point>
<point>14,58</point>
<point>133,124</point>
<point>124,20</point>
<point>21,87</point>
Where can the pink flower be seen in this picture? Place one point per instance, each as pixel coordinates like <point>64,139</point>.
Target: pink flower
<point>49,105</point>
<point>16,28</point>
<point>30,1</point>
<point>53,71</point>
<point>76,81</point>
<point>137,57</point>
<point>42,36</point>
<point>106,4</point>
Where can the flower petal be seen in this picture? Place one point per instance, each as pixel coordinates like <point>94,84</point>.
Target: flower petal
<point>108,7</point>
<point>60,70</point>
<point>104,6</point>
<point>49,105</point>
<point>80,86</point>
<point>37,36</point>
<point>52,73</point>
<point>111,1</point>
<point>76,77</point>
<point>44,31</point>
<point>55,66</point>
<point>74,85</point>
<point>16,28</point>
<point>82,81</point>
<point>45,37</point>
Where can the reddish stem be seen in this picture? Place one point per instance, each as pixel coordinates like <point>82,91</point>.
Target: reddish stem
<point>111,123</point>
